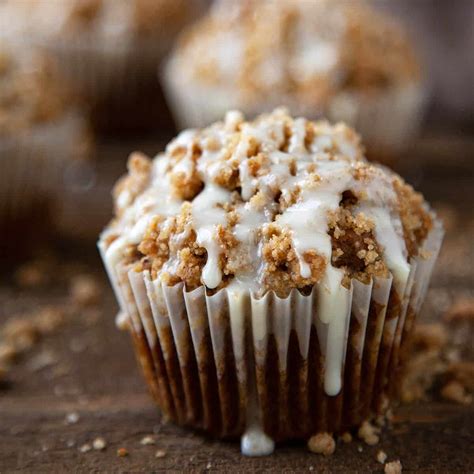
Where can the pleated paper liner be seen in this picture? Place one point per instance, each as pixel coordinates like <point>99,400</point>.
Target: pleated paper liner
<point>386,120</point>
<point>31,180</point>
<point>229,361</point>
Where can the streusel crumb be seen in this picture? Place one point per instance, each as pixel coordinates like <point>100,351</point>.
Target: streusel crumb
<point>278,203</point>
<point>322,443</point>
<point>393,467</point>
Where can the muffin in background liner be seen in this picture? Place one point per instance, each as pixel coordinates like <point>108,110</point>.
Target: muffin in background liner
<point>272,369</point>
<point>344,61</point>
<point>387,120</point>
<point>33,164</point>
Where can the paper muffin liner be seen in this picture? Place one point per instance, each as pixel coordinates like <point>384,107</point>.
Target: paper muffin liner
<point>235,365</point>
<point>33,164</point>
<point>387,121</point>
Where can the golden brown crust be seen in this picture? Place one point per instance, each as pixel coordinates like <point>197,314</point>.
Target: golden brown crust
<point>354,246</point>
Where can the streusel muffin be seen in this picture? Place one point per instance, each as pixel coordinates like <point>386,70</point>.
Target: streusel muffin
<point>41,133</point>
<point>331,58</point>
<point>265,270</point>
<point>109,50</point>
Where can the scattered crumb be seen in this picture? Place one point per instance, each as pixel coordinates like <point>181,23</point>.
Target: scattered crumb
<point>346,437</point>
<point>48,319</point>
<point>31,274</point>
<point>440,364</point>
<point>461,310</point>
<point>393,467</point>
<point>20,332</point>
<point>72,418</point>
<point>369,433</point>
<point>160,453</point>
<point>430,336</point>
<point>70,443</point>
<point>360,448</point>
<point>463,372</point>
<point>84,290</point>
<point>122,452</point>
<point>85,448</point>
<point>209,465</point>
<point>454,391</point>
<point>99,444</point>
<point>381,456</point>
<point>147,440</point>
<point>322,443</point>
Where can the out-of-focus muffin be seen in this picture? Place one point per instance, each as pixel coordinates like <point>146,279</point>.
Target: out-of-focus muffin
<point>41,133</point>
<point>268,274</point>
<point>329,58</point>
<point>109,50</point>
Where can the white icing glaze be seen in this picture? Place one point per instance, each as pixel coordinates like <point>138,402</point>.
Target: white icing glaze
<point>322,170</point>
<point>255,442</point>
<point>207,215</point>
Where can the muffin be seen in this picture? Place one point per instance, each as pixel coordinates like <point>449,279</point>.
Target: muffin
<point>265,270</point>
<point>41,134</point>
<point>108,49</point>
<point>331,58</point>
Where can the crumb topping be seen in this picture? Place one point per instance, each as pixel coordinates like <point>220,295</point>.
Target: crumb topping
<point>294,48</point>
<point>272,204</point>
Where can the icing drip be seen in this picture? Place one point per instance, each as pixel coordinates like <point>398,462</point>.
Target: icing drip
<point>255,442</point>
<point>207,215</point>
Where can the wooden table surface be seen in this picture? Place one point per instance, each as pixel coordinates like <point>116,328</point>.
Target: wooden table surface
<point>92,371</point>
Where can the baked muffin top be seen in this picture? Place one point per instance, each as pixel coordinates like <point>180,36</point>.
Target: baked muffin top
<point>102,19</point>
<point>31,91</point>
<point>271,204</point>
<point>296,48</point>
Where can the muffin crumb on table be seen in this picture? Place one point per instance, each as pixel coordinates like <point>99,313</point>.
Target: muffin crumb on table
<point>122,452</point>
<point>393,467</point>
<point>381,456</point>
<point>322,443</point>
<point>369,433</point>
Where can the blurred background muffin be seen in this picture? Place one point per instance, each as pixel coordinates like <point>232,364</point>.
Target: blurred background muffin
<point>342,60</point>
<point>41,134</point>
<point>108,49</point>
